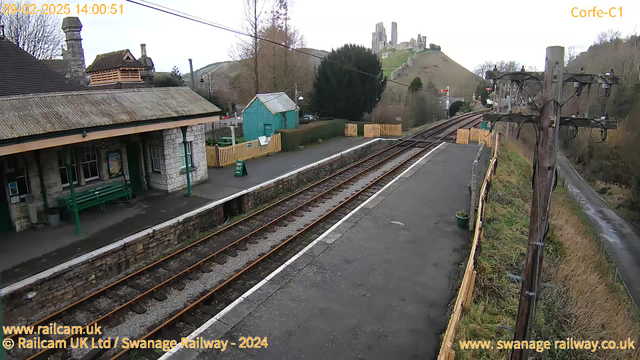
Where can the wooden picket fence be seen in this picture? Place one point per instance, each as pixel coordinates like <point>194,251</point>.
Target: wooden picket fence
<point>465,293</point>
<point>351,130</point>
<point>462,136</point>
<point>225,156</point>
<point>390,130</point>
<point>372,130</point>
<point>377,130</point>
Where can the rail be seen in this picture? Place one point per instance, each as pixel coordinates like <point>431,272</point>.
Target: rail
<point>199,302</point>
<point>401,146</point>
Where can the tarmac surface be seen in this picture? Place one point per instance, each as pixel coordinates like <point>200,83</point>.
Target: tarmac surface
<point>621,238</point>
<point>376,286</point>
<point>29,252</point>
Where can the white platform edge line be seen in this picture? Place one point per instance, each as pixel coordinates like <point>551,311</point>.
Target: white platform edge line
<point>229,307</point>
<point>120,243</point>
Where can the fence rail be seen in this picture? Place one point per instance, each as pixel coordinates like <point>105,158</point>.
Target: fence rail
<point>463,300</point>
<point>225,156</point>
<point>377,130</point>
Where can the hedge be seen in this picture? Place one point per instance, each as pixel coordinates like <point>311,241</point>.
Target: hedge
<point>310,133</point>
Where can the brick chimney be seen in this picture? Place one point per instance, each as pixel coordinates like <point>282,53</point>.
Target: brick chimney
<point>74,54</point>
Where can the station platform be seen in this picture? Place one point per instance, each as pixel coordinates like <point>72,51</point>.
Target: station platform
<point>375,286</point>
<point>29,252</point>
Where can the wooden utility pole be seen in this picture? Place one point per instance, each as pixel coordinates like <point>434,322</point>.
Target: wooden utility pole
<point>547,127</point>
<point>544,179</point>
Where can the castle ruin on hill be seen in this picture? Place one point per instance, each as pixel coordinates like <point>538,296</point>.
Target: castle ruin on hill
<point>379,41</point>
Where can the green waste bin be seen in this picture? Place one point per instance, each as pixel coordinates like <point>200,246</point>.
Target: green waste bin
<point>483,125</point>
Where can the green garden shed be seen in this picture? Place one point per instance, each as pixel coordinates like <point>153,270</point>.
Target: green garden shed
<point>267,113</point>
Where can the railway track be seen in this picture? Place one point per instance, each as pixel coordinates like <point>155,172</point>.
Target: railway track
<point>234,258</point>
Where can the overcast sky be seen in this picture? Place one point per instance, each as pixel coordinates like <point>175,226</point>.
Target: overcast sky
<point>470,32</point>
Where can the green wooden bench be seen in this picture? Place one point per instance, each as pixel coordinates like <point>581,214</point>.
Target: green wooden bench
<point>96,196</point>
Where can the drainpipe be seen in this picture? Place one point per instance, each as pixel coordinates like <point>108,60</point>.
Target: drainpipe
<point>45,201</point>
<point>74,206</point>
<point>186,158</point>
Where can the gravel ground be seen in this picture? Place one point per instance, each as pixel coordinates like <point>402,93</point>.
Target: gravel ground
<point>135,325</point>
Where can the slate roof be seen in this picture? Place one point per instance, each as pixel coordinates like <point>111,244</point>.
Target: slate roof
<point>276,102</point>
<point>32,115</point>
<point>21,73</point>
<point>113,60</point>
<point>60,66</point>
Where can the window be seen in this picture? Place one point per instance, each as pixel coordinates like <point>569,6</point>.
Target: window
<point>64,179</point>
<point>22,179</point>
<point>156,157</point>
<point>189,155</point>
<point>89,163</point>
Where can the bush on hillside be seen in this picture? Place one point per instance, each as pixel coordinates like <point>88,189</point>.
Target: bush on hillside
<point>310,133</point>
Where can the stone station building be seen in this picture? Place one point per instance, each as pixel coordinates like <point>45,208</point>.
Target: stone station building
<point>135,135</point>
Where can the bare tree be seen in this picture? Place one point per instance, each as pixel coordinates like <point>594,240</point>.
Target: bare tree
<point>38,34</point>
<point>610,35</point>
<point>247,49</point>
<point>502,66</point>
<point>481,69</point>
<point>570,55</point>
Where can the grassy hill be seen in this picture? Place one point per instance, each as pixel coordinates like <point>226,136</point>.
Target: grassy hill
<point>437,67</point>
<point>395,60</point>
<point>231,68</point>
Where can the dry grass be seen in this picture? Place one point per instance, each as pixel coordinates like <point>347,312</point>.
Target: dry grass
<point>582,301</point>
<point>601,309</point>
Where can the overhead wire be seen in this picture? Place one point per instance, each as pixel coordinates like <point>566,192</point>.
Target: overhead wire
<point>202,21</point>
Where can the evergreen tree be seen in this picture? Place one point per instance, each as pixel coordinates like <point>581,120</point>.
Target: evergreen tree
<point>344,93</point>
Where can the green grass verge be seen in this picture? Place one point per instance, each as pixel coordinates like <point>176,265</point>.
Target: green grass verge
<point>501,253</point>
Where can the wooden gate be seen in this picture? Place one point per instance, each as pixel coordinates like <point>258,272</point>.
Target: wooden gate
<point>351,130</point>
<point>462,136</point>
<point>391,129</point>
<point>371,130</point>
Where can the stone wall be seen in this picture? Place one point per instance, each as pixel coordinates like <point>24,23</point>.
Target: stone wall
<point>96,271</point>
<point>72,283</point>
<point>175,174</point>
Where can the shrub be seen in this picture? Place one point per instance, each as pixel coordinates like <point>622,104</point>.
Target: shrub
<point>310,133</point>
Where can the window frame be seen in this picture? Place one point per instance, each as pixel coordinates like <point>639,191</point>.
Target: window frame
<point>92,151</point>
<point>73,165</point>
<point>183,166</point>
<point>156,157</point>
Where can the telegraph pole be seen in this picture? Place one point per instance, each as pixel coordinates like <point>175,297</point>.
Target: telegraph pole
<point>541,201</point>
<point>547,126</point>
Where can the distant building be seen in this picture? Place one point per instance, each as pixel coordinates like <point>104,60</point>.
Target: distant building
<point>104,72</point>
<point>379,39</point>
<point>394,33</point>
<point>267,113</point>
<point>118,69</point>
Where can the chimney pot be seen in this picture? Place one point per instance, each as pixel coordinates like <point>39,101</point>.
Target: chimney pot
<point>143,50</point>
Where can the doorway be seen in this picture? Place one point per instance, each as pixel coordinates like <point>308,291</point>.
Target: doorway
<point>268,130</point>
<point>133,159</point>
